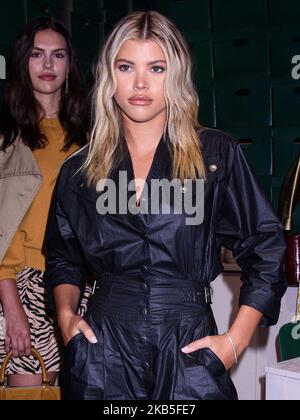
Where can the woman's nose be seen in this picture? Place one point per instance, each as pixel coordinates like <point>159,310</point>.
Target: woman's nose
<point>140,81</point>
<point>48,63</point>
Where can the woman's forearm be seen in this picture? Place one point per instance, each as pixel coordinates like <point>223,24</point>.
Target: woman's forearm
<point>66,300</point>
<point>244,327</point>
<point>9,295</point>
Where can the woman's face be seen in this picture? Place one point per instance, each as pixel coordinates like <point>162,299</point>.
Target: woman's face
<point>140,70</point>
<point>49,62</point>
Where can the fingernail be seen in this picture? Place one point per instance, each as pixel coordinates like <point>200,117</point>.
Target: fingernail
<point>93,340</point>
<point>185,349</point>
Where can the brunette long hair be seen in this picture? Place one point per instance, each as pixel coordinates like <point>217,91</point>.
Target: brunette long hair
<point>21,111</point>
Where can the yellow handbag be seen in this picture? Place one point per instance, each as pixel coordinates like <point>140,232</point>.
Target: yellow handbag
<point>44,392</point>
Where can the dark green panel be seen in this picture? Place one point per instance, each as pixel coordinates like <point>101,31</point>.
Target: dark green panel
<point>243,108</point>
<point>257,146</point>
<point>283,49</point>
<point>141,5</point>
<point>2,82</point>
<point>114,11</point>
<point>286,150</point>
<point>201,53</point>
<point>286,104</point>
<point>192,16</point>
<point>228,14</point>
<point>206,108</point>
<point>88,8</point>
<point>284,12</point>
<point>12,20</point>
<point>243,58</point>
<point>86,38</point>
<point>268,192</point>
<point>36,8</point>
<point>6,50</point>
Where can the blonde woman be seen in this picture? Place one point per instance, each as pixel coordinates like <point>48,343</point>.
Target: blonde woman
<point>149,333</point>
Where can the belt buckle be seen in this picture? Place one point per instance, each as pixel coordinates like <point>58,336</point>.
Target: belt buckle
<point>94,287</point>
<point>208,295</point>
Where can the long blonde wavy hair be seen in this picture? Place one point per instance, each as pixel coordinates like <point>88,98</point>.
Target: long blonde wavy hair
<point>180,96</point>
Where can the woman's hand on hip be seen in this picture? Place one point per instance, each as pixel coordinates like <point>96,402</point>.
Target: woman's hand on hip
<point>219,345</point>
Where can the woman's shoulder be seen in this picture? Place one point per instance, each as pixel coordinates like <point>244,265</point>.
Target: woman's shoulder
<point>71,170</point>
<point>218,147</point>
<point>214,138</point>
<point>75,160</point>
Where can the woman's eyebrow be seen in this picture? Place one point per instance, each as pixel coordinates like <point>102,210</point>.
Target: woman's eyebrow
<point>150,63</point>
<point>56,50</point>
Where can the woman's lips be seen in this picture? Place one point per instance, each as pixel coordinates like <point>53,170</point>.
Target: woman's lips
<point>47,78</point>
<point>140,100</point>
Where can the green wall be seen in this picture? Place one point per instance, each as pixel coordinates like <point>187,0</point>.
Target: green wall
<point>242,51</point>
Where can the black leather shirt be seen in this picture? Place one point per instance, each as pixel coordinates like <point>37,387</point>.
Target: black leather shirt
<point>237,214</point>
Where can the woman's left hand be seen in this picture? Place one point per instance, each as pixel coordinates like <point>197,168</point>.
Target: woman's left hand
<point>220,345</point>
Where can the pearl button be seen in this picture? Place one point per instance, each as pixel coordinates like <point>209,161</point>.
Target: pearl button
<point>213,168</point>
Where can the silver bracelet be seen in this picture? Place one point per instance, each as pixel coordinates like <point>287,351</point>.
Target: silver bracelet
<point>233,347</point>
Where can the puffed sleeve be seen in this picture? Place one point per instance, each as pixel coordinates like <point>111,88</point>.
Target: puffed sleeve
<point>249,227</point>
<point>64,257</point>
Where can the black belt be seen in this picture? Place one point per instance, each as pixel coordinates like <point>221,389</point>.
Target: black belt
<point>109,284</point>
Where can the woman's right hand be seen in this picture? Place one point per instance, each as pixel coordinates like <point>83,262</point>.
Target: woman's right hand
<point>72,325</point>
<point>17,337</point>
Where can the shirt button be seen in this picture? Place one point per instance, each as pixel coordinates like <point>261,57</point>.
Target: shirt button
<point>145,339</point>
<point>213,168</point>
<point>145,311</point>
<point>146,365</point>
<point>144,287</point>
<point>145,269</point>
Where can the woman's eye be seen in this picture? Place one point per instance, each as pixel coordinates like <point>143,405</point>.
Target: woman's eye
<point>35,55</point>
<point>59,55</point>
<point>124,67</point>
<point>158,69</point>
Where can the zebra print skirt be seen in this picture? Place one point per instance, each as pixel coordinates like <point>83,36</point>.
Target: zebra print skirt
<point>45,335</point>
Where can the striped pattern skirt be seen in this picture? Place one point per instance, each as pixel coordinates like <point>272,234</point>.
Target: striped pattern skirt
<point>45,335</point>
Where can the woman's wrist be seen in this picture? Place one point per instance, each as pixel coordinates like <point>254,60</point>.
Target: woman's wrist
<point>242,330</point>
<point>64,315</point>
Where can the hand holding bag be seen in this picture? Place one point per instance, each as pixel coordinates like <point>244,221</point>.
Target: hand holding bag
<point>44,392</point>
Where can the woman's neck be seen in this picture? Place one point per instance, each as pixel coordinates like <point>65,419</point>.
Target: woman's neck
<point>50,104</point>
<point>143,138</point>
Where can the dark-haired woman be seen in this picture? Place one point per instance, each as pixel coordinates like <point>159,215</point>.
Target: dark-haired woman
<point>43,122</point>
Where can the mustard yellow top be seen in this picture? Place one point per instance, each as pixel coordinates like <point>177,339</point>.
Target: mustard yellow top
<point>25,249</point>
